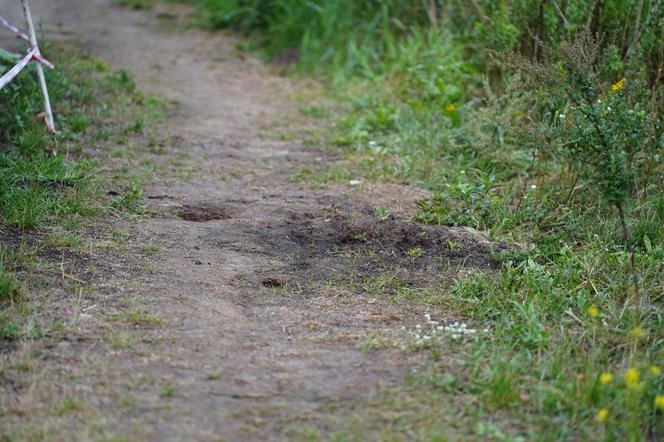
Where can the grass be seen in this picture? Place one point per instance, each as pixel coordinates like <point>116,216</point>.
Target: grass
<point>11,290</point>
<point>149,248</point>
<point>538,375</point>
<point>168,391</point>
<point>136,4</point>
<point>51,184</point>
<point>212,376</point>
<point>42,177</point>
<point>68,405</point>
<point>142,317</point>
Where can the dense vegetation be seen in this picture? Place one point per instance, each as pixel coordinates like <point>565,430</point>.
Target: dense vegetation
<point>540,121</point>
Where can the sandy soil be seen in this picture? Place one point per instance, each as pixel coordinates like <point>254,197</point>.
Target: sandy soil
<point>240,325</point>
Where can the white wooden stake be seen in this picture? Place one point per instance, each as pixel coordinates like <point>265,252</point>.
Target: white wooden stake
<point>40,70</point>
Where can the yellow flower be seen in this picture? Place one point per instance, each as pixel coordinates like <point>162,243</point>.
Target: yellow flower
<point>659,401</point>
<point>592,311</point>
<point>618,86</point>
<point>655,370</point>
<point>451,107</point>
<point>632,378</point>
<point>602,415</point>
<point>638,332</point>
<point>605,378</point>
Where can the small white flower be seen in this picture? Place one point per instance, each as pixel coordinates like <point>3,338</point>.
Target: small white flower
<point>533,186</point>
<point>355,182</point>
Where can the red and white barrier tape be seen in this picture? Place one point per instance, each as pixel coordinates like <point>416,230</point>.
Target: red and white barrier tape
<point>33,54</point>
<point>18,67</point>
<point>14,29</point>
<point>37,56</point>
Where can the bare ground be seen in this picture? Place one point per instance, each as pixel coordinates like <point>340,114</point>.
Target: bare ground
<point>227,313</point>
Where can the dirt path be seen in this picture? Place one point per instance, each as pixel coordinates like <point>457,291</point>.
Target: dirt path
<point>244,323</point>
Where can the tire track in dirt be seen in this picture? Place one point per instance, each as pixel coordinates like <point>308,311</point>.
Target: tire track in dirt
<point>251,343</point>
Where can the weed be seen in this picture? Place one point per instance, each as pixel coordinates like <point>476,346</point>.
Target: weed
<point>130,199</point>
<point>136,4</point>
<point>11,290</point>
<point>168,391</point>
<point>64,240</point>
<point>119,340</point>
<point>213,376</point>
<point>383,214</point>
<point>375,342</point>
<point>142,317</point>
<point>149,248</point>
<point>67,405</point>
<point>127,402</point>
<point>9,329</point>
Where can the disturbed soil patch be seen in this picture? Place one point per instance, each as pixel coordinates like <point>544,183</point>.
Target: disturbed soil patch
<point>352,241</point>
<point>203,214</point>
<point>272,282</point>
